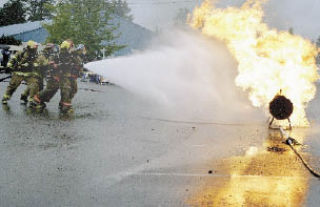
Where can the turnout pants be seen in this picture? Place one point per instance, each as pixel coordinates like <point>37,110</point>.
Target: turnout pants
<point>26,92</point>
<point>67,85</point>
<point>74,87</point>
<point>33,85</point>
<point>50,90</point>
<point>68,88</point>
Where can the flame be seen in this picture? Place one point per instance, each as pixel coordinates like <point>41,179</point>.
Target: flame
<point>268,60</point>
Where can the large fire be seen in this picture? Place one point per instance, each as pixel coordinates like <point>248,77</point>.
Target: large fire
<point>268,60</point>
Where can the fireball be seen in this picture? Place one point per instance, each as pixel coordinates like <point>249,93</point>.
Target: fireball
<point>268,60</point>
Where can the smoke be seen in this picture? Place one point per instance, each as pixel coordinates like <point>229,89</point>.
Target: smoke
<point>190,76</point>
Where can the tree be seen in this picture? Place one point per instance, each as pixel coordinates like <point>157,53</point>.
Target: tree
<point>291,30</point>
<point>13,12</point>
<point>38,9</point>
<point>121,9</point>
<point>318,46</point>
<point>9,40</point>
<point>85,22</point>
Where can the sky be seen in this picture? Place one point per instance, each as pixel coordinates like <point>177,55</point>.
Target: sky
<point>301,15</point>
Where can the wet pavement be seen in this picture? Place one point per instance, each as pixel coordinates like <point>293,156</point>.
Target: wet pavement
<point>116,151</point>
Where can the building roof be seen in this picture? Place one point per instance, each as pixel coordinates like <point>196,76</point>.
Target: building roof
<point>16,29</point>
<point>133,36</point>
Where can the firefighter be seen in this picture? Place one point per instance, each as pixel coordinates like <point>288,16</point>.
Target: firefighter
<point>43,61</point>
<point>5,57</point>
<point>24,67</point>
<point>69,63</point>
<point>49,61</point>
<point>77,68</point>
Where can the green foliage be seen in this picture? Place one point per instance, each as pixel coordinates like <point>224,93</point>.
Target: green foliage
<point>121,9</point>
<point>13,12</point>
<point>38,9</point>
<point>85,22</point>
<point>9,40</point>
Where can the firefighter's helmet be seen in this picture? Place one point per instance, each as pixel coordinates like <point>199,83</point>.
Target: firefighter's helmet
<point>66,45</point>
<point>32,44</point>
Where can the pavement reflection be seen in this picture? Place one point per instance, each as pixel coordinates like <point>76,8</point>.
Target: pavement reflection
<point>270,176</point>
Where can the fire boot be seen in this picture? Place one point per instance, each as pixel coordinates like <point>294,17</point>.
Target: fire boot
<point>66,108</point>
<point>5,99</point>
<point>37,103</point>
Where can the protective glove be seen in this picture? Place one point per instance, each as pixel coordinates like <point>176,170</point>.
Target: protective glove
<point>25,65</point>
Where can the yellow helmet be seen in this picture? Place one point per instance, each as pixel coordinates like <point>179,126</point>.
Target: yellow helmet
<point>66,44</point>
<point>32,44</point>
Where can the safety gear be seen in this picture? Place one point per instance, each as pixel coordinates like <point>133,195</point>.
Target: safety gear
<point>23,70</point>
<point>49,49</point>
<point>66,108</point>
<point>25,65</point>
<point>50,90</point>
<point>71,42</point>
<point>5,99</point>
<point>36,98</point>
<point>32,44</point>
<point>81,50</point>
<point>80,47</point>
<point>37,105</point>
<point>49,46</point>
<point>66,45</point>
<point>24,96</point>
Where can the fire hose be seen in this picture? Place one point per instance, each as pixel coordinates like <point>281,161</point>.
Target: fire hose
<point>85,89</point>
<point>291,142</point>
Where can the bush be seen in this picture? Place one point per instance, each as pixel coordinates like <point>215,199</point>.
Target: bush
<point>9,40</point>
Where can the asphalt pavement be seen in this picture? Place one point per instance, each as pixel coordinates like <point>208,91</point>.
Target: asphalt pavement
<point>120,150</point>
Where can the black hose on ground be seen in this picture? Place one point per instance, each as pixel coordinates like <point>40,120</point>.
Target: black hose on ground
<point>292,142</point>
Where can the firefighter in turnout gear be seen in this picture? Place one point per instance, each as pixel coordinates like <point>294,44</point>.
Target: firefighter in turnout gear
<point>24,67</point>
<point>77,68</point>
<point>49,61</point>
<point>62,73</point>
<point>69,64</point>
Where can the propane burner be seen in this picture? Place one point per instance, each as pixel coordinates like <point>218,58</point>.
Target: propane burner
<point>280,108</point>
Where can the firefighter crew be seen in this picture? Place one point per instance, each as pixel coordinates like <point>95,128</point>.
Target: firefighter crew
<point>49,61</point>
<point>61,76</point>
<point>24,66</point>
